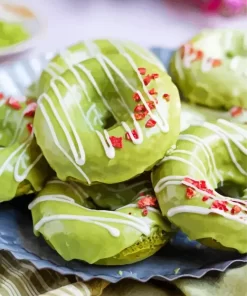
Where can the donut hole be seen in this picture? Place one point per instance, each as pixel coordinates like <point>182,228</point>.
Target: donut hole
<point>109,122</point>
<point>233,190</point>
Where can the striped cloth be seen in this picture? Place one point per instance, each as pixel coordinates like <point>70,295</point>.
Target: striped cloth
<point>20,278</point>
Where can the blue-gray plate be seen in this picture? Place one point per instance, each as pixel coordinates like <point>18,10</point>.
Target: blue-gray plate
<point>181,258</point>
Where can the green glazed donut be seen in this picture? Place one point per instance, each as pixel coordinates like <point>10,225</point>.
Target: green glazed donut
<point>207,156</point>
<point>61,213</point>
<point>23,168</point>
<point>191,114</point>
<point>117,195</point>
<point>210,69</point>
<point>107,119</point>
<point>88,49</point>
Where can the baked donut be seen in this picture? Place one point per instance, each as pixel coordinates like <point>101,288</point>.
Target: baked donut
<point>117,195</point>
<point>63,214</point>
<point>207,156</point>
<point>84,50</point>
<point>23,168</point>
<point>215,75</point>
<point>107,119</point>
<point>191,114</point>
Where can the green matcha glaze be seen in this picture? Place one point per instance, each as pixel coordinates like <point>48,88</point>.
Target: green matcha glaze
<point>23,168</point>
<point>191,114</point>
<point>88,49</point>
<point>217,154</point>
<point>12,33</point>
<point>100,237</point>
<point>215,75</point>
<point>91,105</point>
<point>117,195</point>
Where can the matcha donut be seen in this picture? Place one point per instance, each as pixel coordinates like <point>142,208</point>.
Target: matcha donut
<point>84,50</point>
<point>210,69</point>
<point>114,196</point>
<point>23,168</point>
<point>62,214</point>
<point>208,156</point>
<point>191,114</point>
<point>107,119</point>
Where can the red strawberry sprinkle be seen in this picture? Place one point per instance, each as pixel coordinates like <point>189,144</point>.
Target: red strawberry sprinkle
<point>147,201</point>
<point>202,185</point>
<point>155,75</point>
<point>190,192</point>
<point>150,123</point>
<point>205,198</point>
<point>144,212</point>
<point>235,210</point>
<point>236,111</point>
<point>220,205</point>
<point>140,116</point>
<point>30,127</point>
<point>216,63</point>
<point>117,142</point>
<point>134,133</point>
<point>136,97</point>
<point>30,110</point>
<point>153,92</point>
<point>166,97</point>
<point>147,80</point>
<point>142,71</point>
<point>199,55</point>
<point>1,96</point>
<point>13,103</point>
<point>151,104</point>
<point>140,108</point>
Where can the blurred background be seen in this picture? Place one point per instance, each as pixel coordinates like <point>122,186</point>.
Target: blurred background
<point>166,23</point>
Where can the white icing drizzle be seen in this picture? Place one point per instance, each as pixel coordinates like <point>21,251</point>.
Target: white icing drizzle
<point>135,206</point>
<point>139,223</point>
<point>56,141</point>
<point>235,63</point>
<point>77,190</point>
<point>165,181</point>
<point>51,72</point>
<point>86,219</point>
<point>51,197</point>
<point>190,153</point>
<point>225,136</point>
<point>178,180</point>
<point>80,160</point>
<point>180,159</point>
<point>94,50</point>
<point>228,36</point>
<point>107,144</point>
<point>204,211</point>
<point>178,65</point>
<point>20,178</point>
<point>57,67</point>
<point>164,127</point>
<point>144,57</point>
<point>188,57</point>
<point>207,64</point>
<point>208,153</point>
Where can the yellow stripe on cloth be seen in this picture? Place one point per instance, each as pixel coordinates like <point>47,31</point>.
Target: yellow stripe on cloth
<point>20,278</point>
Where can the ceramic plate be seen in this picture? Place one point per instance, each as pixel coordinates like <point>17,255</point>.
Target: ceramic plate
<point>31,22</point>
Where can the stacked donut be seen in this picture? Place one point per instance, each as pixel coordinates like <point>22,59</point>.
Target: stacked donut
<point>107,122</point>
<point>106,113</point>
